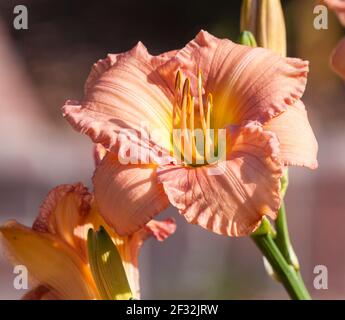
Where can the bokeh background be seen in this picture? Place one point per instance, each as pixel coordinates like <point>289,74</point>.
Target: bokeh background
<point>43,66</point>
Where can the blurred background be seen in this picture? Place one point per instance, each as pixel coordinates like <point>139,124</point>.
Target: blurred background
<point>43,66</point>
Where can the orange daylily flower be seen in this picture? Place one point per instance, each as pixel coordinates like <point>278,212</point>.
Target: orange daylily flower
<point>338,55</point>
<point>54,250</point>
<point>211,83</point>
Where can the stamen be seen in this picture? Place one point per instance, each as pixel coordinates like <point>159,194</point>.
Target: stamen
<point>184,113</point>
<point>186,87</point>
<point>191,112</point>
<point>208,125</point>
<point>178,81</point>
<point>191,126</point>
<point>209,110</point>
<point>201,105</point>
<point>184,119</point>
<point>187,152</point>
<point>185,94</point>
<point>176,111</point>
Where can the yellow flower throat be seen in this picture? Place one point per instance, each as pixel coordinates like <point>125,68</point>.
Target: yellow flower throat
<point>192,138</point>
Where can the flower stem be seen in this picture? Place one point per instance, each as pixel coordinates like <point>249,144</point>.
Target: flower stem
<point>286,272</point>
<point>283,239</point>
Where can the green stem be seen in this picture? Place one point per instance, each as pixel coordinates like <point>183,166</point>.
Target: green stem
<point>286,272</point>
<point>283,239</point>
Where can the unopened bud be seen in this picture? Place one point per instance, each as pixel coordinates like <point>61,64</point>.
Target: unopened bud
<point>246,38</point>
<point>265,19</point>
<point>106,266</point>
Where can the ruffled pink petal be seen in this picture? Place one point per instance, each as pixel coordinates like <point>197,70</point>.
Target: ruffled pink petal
<point>128,196</point>
<point>132,244</point>
<point>101,66</point>
<point>46,220</point>
<point>338,59</point>
<point>125,92</point>
<point>338,55</point>
<point>160,229</point>
<point>246,83</point>
<point>62,212</point>
<point>233,202</point>
<point>339,8</point>
<point>298,145</point>
<point>99,153</point>
<point>41,292</point>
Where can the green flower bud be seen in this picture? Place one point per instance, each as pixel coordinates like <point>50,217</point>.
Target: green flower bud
<point>265,19</point>
<point>246,38</point>
<point>106,266</point>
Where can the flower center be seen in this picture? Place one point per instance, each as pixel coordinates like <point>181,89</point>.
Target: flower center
<point>193,138</point>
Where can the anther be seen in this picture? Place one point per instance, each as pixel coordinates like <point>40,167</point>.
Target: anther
<point>178,81</point>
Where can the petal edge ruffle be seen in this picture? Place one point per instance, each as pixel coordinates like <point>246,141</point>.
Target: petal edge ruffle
<point>233,202</point>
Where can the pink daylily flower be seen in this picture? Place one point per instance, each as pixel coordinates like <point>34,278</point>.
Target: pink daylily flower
<point>55,249</point>
<point>338,6</point>
<point>338,54</point>
<point>211,83</point>
<point>338,58</point>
